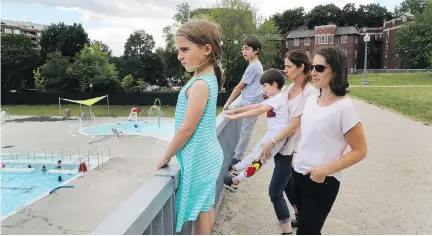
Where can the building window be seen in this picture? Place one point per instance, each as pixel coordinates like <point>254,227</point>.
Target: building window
<point>386,49</point>
<point>376,36</point>
<point>307,41</point>
<point>323,39</point>
<point>368,50</point>
<point>388,34</point>
<point>17,31</point>
<point>386,41</point>
<point>355,54</point>
<point>356,38</point>
<point>385,56</point>
<point>344,39</point>
<point>367,64</point>
<point>330,39</point>
<point>8,31</point>
<point>286,44</point>
<point>380,36</point>
<point>296,42</point>
<point>345,51</point>
<point>385,63</point>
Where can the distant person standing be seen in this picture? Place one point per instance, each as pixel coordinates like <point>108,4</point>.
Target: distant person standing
<point>251,91</point>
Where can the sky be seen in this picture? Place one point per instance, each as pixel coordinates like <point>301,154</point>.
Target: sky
<point>112,21</point>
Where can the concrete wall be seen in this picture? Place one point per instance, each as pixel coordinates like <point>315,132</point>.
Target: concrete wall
<point>151,208</point>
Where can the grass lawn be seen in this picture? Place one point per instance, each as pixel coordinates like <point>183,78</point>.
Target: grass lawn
<point>415,102</point>
<point>98,110</point>
<point>417,79</point>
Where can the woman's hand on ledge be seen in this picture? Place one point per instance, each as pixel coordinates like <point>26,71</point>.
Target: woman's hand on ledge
<point>163,162</point>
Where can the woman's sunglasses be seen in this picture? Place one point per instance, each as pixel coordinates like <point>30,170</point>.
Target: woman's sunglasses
<point>318,68</point>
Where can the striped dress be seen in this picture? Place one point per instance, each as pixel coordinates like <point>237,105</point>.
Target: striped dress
<point>200,159</point>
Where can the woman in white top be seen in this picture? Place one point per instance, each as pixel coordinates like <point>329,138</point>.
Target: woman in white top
<point>329,124</point>
<point>297,69</point>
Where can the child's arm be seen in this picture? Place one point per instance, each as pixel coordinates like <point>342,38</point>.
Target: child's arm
<point>198,95</point>
<point>251,113</point>
<point>235,93</point>
<point>281,136</point>
<point>242,109</point>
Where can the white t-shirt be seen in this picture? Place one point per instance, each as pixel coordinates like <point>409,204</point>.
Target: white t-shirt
<point>277,118</point>
<point>322,138</point>
<point>295,109</point>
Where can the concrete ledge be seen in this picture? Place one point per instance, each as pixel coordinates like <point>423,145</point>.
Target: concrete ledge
<point>137,212</point>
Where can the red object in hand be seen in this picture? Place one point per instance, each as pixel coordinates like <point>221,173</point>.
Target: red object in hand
<point>135,109</point>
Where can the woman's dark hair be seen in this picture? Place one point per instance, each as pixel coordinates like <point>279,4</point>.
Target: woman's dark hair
<point>298,58</point>
<point>271,76</point>
<point>338,61</point>
<point>202,32</point>
<point>253,42</point>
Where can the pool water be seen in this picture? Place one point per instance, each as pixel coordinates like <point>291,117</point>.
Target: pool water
<point>149,128</point>
<point>20,189</point>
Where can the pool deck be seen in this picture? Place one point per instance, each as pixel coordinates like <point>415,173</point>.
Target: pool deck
<point>80,209</point>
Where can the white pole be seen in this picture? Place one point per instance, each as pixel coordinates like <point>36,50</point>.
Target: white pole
<point>109,114</point>
<point>59,107</point>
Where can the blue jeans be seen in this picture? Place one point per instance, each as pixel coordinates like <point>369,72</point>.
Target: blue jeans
<point>282,181</point>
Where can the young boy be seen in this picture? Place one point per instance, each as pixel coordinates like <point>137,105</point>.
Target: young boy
<point>251,92</point>
<point>276,107</point>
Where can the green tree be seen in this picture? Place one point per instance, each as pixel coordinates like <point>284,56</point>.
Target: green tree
<point>238,19</point>
<point>372,15</point>
<point>323,15</point>
<point>39,83</point>
<point>289,19</point>
<point>103,47</point>
<point>91,66</point>
<point>172,67</point>
<point>127,83</point>
<point>350,15</point>
<point>412,6</point>
<point>140,61</point>
<point>18,60</point>
<point>53,73</point>
<point>414,41</point>
<point>68,39</point>
<point>139,44</point>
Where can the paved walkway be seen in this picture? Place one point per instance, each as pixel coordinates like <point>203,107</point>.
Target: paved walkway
<point>390,192</point>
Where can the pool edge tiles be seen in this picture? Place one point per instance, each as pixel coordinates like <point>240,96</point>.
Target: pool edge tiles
<point>29,203</point>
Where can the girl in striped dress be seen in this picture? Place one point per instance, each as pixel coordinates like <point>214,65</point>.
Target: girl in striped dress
<point>195,142</point>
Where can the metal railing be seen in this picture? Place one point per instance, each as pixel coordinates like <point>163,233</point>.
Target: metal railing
<point>70,156</point>
<point>151,208</point>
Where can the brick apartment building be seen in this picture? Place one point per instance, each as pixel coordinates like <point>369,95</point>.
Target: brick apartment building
<point>31,30</point>
<point>381,47</point>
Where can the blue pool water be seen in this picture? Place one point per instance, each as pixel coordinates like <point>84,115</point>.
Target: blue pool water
<point>148,128</point>
<point>19,189</point>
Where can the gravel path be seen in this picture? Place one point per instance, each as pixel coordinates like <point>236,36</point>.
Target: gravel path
<point>390,192</point>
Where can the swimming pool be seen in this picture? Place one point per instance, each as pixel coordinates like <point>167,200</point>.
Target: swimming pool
<point>21,189</point>
<point>149,128</point>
